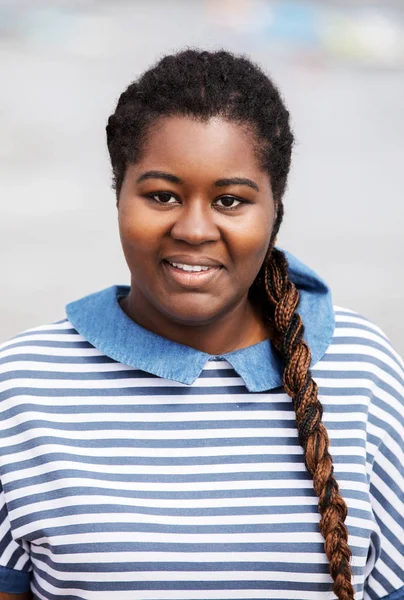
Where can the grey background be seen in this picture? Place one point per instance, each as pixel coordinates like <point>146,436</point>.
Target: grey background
<point>63,66</point>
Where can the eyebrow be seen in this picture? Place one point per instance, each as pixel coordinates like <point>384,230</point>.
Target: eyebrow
<point>237,181</point>
<point>159,175</point>
<point>218,183</point>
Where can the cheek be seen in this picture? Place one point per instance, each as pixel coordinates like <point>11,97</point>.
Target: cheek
<point>138,235</point>
<point>249,242</point>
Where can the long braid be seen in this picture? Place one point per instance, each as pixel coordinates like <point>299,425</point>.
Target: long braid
<point>288,331</point>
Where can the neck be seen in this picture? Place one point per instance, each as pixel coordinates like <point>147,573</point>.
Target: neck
<point>239,328</point>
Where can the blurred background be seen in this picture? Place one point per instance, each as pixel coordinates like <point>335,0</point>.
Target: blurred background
<point>64,63</point>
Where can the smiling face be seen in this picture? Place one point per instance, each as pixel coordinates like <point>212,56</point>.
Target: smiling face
<point>195,215</point>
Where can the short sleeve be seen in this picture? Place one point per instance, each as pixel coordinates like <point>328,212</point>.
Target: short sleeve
<point>386,578</point>
<point>15,563</point>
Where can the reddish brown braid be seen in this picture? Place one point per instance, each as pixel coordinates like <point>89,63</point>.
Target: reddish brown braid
<point>288,329</point>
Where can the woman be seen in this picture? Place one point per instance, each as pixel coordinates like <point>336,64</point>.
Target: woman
<point>168,440</point>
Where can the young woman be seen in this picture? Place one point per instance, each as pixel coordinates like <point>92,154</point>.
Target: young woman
<point>217,430</point>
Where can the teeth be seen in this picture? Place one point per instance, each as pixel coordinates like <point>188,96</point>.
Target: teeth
<point>195,268</point>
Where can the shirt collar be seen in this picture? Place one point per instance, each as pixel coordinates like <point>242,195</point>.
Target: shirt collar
<point>101,321</point>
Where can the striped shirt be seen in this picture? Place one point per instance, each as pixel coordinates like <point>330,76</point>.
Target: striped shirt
<point>120,482</point>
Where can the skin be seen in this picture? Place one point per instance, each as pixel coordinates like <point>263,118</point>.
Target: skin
<point>197,218</point>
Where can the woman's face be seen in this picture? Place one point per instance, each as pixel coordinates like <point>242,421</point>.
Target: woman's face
<point>195,216</point>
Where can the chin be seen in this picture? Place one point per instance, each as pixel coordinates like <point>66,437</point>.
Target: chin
<point>195,314</point>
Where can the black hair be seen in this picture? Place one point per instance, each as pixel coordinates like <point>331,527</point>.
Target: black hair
<point>203,84</point>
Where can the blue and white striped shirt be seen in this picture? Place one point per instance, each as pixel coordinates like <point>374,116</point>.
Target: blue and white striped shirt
<point>136,468</point>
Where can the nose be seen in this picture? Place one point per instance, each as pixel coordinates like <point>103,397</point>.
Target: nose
<point>195,224</point>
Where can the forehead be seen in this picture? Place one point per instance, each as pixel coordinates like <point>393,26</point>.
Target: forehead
<point>213,145</point>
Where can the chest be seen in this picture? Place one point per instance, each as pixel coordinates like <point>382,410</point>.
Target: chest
<point>196,490</point>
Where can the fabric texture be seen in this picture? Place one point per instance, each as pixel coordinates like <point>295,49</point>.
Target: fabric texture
<point>397,595</point>
<point>13,581</point>
<point>120,480</point>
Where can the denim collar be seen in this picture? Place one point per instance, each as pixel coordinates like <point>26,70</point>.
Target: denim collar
<point>101,321</point>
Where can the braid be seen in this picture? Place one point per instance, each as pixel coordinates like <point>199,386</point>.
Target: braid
<point>288,330</point>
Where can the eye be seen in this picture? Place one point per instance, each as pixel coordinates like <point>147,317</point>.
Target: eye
<point>228,202</point>
<point>163,198</point>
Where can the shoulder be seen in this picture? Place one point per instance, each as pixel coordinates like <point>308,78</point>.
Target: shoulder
<point>357,337</point>
<point>346,319</point>
<point>43,348</point>
<point>41,363</point>
<point>362,364</point>
<point>42,336</point>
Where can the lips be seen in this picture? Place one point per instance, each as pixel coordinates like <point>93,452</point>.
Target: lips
<point>191,278</point>
<point>187,259</point>
<point>189,268</point>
